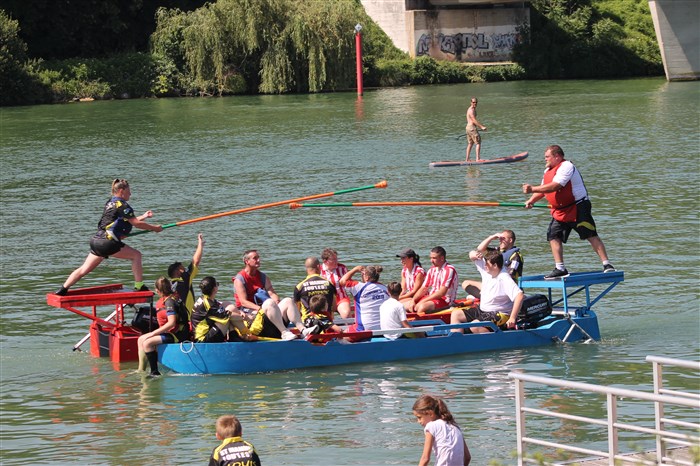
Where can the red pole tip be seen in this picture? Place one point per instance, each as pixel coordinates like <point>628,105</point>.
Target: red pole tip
<point>381,184</point>
<point>295,205</point>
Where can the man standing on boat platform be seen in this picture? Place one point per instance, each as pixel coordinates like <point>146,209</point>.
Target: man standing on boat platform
<point>473,136</point>
<point>563,187</point>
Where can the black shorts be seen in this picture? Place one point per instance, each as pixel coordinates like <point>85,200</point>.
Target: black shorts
<point>269,330</point>
<point>104,247</point>
<point>475,313</point>
<point>584,224</point>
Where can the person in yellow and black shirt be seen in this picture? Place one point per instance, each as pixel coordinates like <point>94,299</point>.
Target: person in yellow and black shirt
<point>314,284</point>
<point>214,321</point>
<point>117,220</point>
<point>182,278</point>
<point>233,449</point>
<point>173,326</point>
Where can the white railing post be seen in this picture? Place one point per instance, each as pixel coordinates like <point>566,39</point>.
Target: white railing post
<point>658,411</point>
<point>520,418</point>
<point>612,430</point>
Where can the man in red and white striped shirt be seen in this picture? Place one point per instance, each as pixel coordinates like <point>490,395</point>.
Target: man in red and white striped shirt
<point>439,290</point>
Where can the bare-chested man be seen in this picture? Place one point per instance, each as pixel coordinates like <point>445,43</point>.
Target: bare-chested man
<point>473,136</point>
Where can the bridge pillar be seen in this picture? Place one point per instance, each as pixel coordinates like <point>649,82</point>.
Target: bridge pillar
<point>678,33</point>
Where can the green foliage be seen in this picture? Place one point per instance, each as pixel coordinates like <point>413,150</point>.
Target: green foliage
<point>426,70</point>
<point>274,46</point>
<point>589,38</point>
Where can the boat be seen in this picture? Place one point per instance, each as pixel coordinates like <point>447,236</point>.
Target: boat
<point>569,322</point>
<point>572,320</point>
<point>464,163</point>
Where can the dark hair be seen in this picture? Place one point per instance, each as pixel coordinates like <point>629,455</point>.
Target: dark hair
<point>494,257</point>
<point>394,288</point>
<point>555,150</point>
<point>372,273</point>
<point>207,285</point>
<point>164,286</point>
<point>328,253</point>
<point>432,404</point>
<point>173,268</point>
<point>318,304</point>
<point>439,250</point>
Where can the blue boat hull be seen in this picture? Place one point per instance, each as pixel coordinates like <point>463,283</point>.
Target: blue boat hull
<point>270,356</point>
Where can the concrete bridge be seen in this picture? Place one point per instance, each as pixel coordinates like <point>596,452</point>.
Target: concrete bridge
<point>677,25</point>
<point>487,30</point>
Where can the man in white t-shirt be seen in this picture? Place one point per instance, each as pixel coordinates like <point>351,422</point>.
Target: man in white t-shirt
<point>499,294</point>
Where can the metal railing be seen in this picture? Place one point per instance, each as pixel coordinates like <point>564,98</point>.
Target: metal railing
<point>661,398</point>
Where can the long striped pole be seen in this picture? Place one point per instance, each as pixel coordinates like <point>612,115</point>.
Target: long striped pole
<point>417,203</point>
<point>381,184</point>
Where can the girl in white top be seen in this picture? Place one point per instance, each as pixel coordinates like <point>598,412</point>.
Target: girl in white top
<point>442,434</point>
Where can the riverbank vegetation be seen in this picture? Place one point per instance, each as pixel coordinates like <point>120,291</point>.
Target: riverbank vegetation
<point>279,46</point>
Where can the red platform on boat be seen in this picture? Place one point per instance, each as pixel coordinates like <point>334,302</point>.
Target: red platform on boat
<point>108,338</point>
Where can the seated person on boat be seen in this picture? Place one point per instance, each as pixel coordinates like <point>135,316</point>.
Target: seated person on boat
<point>512,259</point>
<point>333,271</point>
<point>317,320</point>
<point>369,295</point>
<point>392,314</point>
<point>265,314</point>
<point>314,285</point>
<point>412,275</point>
<point>214,321</point>
<point>173,326</point>
<point>439,290</point>
<point>500,296</point>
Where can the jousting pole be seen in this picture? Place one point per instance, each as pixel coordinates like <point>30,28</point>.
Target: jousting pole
<point>381,184</point>
<point>358,57</point>
<point>417,203</point>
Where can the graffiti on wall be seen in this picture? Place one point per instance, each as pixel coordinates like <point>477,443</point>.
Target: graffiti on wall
<point>458,45</point>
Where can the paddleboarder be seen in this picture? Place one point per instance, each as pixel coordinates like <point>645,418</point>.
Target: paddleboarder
<point>563,187</point>
<point>473,136</point>
<point>116,223</point>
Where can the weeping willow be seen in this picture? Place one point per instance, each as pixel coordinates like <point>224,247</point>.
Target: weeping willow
<point>276,46</point>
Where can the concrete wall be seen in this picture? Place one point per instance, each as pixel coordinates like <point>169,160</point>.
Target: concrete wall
<point>390,15</point>
<point>466,35</point>
<point>677,25</point>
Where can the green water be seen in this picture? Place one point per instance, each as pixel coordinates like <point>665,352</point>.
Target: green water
<point>635,141</point>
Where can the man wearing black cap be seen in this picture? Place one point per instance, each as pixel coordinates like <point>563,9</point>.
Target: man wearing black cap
<point>182,277</point>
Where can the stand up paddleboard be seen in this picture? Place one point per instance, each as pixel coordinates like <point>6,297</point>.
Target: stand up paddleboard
<point>462,163</point>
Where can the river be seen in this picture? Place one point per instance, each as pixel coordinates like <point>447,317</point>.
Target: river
<point>636,143</point>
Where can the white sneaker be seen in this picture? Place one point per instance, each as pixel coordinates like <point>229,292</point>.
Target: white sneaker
<point>310,330</point>
<point>288,336</point>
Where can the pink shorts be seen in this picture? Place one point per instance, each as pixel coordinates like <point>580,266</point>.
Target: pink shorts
<point>353,329</point>
<point>343,300</point>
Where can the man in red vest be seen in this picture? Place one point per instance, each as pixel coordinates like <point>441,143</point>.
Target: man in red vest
<point>563,187</point>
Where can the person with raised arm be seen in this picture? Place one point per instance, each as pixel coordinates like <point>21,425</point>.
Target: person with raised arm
<point>118,218</point>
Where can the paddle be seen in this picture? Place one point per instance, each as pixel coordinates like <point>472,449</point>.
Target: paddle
<point>381,184</point>
<point>417,203</point>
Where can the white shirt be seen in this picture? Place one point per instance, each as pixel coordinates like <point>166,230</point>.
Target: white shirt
<point>448,444</point>
<point>391,316</point>
<point>497,293</point>
<point>368,298</point>
<point>568,172</point>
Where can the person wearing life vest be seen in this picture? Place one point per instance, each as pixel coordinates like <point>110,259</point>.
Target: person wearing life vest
<point>117,220</point>
<point>512,259</point>
<point>563,187</point>
<point>173,326</point>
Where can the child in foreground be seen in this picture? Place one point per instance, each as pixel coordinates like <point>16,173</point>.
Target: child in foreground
<point>442,434</point>
<point>233,449</point>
